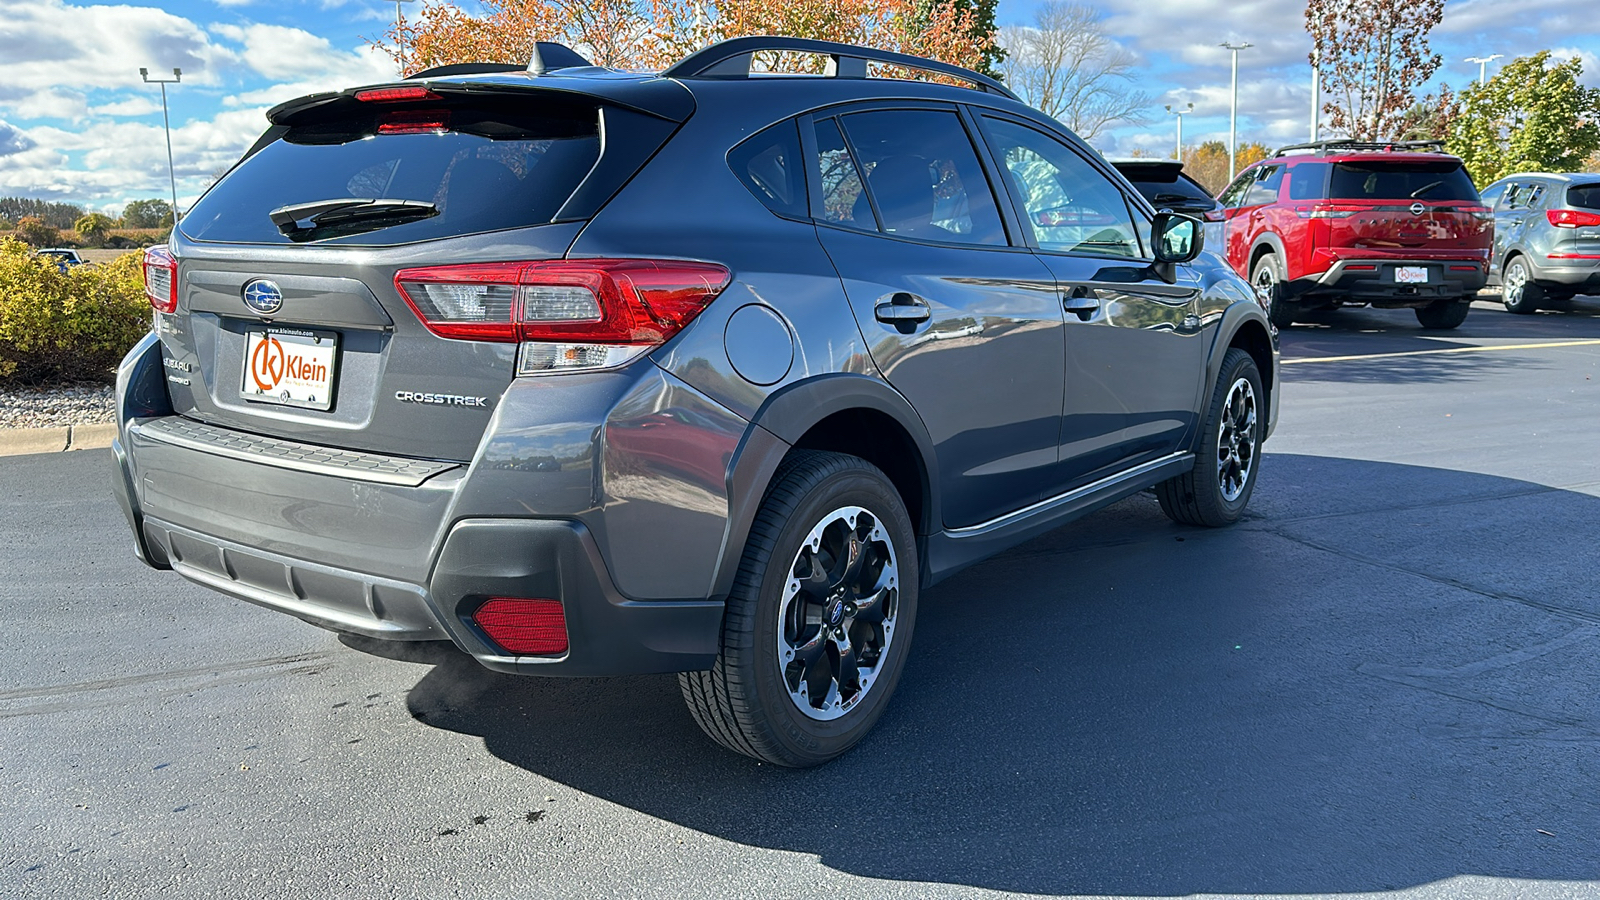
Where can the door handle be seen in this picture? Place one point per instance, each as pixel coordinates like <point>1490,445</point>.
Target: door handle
<point>1081,301</point>
<point>902,309</point>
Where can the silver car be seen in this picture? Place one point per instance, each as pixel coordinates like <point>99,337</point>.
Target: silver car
<point>1546,238</point>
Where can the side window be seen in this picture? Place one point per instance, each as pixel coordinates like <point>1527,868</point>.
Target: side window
<point>843,202</point>
<point>924,176</point>
<point>1308,181</point>
<point>1513,197</point>
<point>1234,193</point>
<point>1265,189</point>
<point>1491,195</point>
<point>1535,197</point>
<point>1070,205</point>
<point>768,163</point>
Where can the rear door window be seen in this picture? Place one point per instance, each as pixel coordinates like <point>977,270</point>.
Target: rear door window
<point>1265,189</point>
<point>1308,181</point>
<point>841,200</point>
<point>924,176</point>
<point>1584,196</point>
<point>484,166</point>
<point>1384,180</point>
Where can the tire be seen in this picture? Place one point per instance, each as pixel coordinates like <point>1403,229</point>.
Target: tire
<point>1216,491</point>
<point>1266,276</point>
<point>757,699</point>
<point>1444,313</point>
<point>1517,290</point>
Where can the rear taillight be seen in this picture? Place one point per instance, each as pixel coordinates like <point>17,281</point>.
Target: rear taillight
<point>524,627</point>
<point>1327,211</point>
<point>161,279</point>
<point>1571,218</point>
<point>568,314</point>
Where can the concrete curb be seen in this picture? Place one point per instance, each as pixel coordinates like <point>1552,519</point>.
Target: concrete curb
<point>20,441</point>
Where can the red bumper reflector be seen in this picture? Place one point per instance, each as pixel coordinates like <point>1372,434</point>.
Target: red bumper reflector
<point>1361,268</point>
<point>1463,268</point>
<point>1575,256</point>
<point>525,627</point>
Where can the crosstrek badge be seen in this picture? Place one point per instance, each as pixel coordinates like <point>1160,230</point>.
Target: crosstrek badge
<point>292,368</point>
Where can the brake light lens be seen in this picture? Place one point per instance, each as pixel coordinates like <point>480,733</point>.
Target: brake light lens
<point>161,279</point>
<point>1571,218</point>
<point>524,627</point>
<point>1327,211</point>
<point>426,121</point>
<point>568,314</point>
<point>396,95</point>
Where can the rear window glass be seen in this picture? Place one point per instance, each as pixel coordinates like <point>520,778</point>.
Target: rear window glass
<point>489,168</point>
<point>1159,191</point>
<point>1584,196</point>
<point>1401,181</point>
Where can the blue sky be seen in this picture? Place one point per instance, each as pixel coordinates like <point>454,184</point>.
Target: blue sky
<point>77,124</point>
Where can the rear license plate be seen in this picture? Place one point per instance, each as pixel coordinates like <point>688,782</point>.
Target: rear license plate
<point>290,368</point>
<point>1410,275</point>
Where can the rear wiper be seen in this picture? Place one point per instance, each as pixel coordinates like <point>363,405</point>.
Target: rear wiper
<point>1425,188</point>
<point>347,211</point>
<point>1175,198</point>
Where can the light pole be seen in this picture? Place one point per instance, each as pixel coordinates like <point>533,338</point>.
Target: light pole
<point>1483,64</point>
<point>166,122</point>
<point>1316,94</point>
<point>1233,110</point>
<point>1179,114</point>
<point>399,38</point>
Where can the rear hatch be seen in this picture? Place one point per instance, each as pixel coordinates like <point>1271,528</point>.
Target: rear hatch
<point>289,322</point>
<point>1411,207</point>
<point>1577,226</point>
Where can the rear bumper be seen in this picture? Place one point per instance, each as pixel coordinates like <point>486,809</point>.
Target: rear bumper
<point>1577,275</point>
<point>1373,281</point>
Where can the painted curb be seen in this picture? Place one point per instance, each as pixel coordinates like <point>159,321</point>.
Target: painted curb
<point>21,441</point>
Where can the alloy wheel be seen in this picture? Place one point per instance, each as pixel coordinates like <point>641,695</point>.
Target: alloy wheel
<point>1516,282</point>
<point>837,616</point>
<point>1236,440</point>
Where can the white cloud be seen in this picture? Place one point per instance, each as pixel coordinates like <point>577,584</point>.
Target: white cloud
<point>133,106</point>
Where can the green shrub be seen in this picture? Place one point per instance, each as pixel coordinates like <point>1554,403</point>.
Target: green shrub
<point>37,232</point>
<point>67,326</point>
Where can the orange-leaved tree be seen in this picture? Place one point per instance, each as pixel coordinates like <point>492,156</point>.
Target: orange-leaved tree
<point>653,34</point>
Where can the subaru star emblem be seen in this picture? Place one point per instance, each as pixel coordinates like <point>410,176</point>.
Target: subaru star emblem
<point>263,296</point>
<point>1418,209</point>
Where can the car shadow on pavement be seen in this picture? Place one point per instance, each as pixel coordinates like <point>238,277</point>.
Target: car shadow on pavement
<point>1382,678</point>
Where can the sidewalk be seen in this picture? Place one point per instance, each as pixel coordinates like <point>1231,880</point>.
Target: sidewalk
<point>19,441</point>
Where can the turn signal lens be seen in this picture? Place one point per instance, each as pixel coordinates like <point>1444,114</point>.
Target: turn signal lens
<point>524,627</point>
<point>161,279</point>
<point>1571,218</point>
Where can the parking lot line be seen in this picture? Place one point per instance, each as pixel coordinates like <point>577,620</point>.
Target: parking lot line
<point>1540,346</point>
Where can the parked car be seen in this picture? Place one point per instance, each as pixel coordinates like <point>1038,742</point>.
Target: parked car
<point>65,257</point>
<point>1344,223</point>
<point>1546,238</point>
<point>1164,183</point>
<point>718,395</point>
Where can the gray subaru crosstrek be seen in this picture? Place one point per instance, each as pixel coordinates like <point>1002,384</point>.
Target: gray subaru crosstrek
<point>599,373</point>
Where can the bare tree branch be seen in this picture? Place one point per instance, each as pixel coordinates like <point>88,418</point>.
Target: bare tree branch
<point>1373,55</point>
<point>1065,65</point>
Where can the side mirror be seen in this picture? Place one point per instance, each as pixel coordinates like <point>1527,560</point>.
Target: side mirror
<point>1178,238</point>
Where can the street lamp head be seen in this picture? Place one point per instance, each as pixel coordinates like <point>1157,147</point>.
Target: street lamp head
<point>177,73</point>
<point>144,73</point>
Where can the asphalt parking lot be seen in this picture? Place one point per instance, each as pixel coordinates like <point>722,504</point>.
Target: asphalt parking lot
<point>1385,679</point>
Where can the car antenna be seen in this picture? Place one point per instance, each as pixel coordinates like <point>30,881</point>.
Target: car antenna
<point>535,61</point>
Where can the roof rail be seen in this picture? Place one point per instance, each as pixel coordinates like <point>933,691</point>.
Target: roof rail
<point>732,58</point>
<point>1323,148</point>
<point>547,56</point>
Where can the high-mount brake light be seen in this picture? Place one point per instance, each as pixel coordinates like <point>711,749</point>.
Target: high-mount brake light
<point>1571,218</point>
<point>396,95</point>
<point>568,314</point>
<point>424,121</point>
<point>161,279</point>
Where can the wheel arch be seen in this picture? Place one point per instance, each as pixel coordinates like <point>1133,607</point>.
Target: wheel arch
<point>1244,325</point>
<point>844,413</point>
<point>1269,243</point>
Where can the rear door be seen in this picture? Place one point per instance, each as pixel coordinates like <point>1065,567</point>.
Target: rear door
<point>290,322</point>
<point>1135,350</point>
<point>960,321</point>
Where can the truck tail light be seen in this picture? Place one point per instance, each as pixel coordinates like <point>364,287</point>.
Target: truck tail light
<point>161,279</point>
<point>524,627</point>
<point>1571,218</point>
<point>568,314</point>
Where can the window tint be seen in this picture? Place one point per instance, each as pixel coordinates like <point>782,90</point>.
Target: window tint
<point>1377,180</point>
<point>1234,193</point>
<point>924,176</point>
<point>1069,205</point>
<point>843,201</point>
<point>1584,196</point>
<point>488,168</point>
<point>1308,181</point>
<point>769,165</point>
<point>1265,188</point>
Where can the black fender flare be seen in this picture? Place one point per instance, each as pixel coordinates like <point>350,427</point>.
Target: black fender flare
<point>1237,316</point>
<point>781,421</point>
